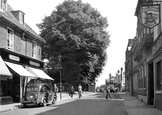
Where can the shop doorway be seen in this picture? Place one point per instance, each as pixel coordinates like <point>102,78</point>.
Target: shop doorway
<point>150,84</point>
<point>16,88</point>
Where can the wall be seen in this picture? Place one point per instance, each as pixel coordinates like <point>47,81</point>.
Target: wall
<point>2,37</point>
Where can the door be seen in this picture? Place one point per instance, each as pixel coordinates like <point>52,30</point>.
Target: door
<point>150,84</point>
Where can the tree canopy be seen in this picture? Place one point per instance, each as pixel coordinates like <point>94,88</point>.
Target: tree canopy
<point>77,32</point>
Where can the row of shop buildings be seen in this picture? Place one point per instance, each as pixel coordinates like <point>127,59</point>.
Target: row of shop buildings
<point>143,65</point>
<point>20,54</point>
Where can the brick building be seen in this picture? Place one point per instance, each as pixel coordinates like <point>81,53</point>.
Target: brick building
<point>146,54</point>
<point>20,54</point>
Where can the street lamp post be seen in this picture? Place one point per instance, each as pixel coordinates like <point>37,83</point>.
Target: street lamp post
<point>121,77</point>
<point>60,76</point>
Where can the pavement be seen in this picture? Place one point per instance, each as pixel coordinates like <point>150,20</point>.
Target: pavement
<point>132,105</point>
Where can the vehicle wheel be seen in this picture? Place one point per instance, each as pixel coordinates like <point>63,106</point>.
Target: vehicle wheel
<point>44,103</point>
<point>53,102</point>
<point>24,106</point>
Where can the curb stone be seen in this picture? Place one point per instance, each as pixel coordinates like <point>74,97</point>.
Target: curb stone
<point>15,108</point>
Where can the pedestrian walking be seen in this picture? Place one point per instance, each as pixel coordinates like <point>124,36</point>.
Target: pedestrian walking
<point>108,92</point>
<point>55,90</point>
<point>71,91</point>
<point>79,91</point>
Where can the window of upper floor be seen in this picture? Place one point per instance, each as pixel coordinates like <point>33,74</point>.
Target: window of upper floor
<point>3,5</point>
<point>39,52</point>
<point>10,39</point>
<point>34,50</point>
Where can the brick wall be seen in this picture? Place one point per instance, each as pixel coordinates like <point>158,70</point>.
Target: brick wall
<point>158,101</point>
<point>2,37</point>
<point>20,44</point>
<point>17,43</point>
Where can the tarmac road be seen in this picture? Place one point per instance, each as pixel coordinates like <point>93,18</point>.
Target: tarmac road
<point>87,105</point>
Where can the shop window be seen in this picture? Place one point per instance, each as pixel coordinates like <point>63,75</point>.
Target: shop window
<point>145,76</point>
<point>6,87</point>
<point>10,39</point>
<point>158,78</point>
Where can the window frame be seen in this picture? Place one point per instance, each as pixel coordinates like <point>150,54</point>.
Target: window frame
<point>10,40</point>
<point>3,5</point>
<point>34,49</point>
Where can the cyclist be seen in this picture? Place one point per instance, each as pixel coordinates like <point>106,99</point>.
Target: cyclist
<point>79,90</point>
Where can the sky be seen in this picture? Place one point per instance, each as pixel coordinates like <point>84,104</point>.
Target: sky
<point>120,16</point>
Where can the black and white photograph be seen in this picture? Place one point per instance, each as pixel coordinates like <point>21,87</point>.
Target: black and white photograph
<point>80,57</point>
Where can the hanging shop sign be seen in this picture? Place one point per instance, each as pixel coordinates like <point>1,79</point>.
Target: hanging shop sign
<point>150,15</point>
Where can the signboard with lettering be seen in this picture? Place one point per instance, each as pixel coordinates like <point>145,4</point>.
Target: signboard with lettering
<point>34,63</point>
<point>150,15</point>
<point>15,58</point>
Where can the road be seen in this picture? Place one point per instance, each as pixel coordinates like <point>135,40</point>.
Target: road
<point>87,105</point>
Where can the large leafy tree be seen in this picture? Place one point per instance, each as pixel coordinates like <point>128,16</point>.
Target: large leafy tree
<point>77,32</point>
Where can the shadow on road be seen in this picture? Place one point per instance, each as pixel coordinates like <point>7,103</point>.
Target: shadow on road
<point>91,105</point>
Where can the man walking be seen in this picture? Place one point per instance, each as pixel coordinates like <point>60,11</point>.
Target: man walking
<point>108,92</point>
<point>79,90</point>
<point>71,91</point>
<point>55,90</point>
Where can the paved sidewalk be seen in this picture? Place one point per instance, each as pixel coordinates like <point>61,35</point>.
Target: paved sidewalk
<point>14,106</point>
<point>136,107</point>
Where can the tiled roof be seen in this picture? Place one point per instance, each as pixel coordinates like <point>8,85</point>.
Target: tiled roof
<point>11,18</point>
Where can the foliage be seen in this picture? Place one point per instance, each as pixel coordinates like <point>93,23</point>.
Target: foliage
<point>77,32</point>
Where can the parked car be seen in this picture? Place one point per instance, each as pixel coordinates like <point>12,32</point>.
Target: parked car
<point>38,94</point>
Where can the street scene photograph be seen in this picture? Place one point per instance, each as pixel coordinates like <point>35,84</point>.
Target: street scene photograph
<point>80,57</point>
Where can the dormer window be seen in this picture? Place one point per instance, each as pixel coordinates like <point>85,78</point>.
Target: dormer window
<point>19,15</point>
<point>3,5</point>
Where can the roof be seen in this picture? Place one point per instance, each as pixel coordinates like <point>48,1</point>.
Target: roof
<point>11,18</point>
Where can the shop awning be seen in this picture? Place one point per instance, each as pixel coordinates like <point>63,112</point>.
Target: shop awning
<point>39,73</point>
<point>19,69</point>
<point>3,68</point>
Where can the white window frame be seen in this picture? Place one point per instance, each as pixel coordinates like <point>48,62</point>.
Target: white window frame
<point>34,50</point>
<point>21,18</point>
<point>10,39</point>
<point>3,5</point>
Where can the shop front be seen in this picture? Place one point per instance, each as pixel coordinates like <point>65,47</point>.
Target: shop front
<point>19,70</point>
<point>5,87</point>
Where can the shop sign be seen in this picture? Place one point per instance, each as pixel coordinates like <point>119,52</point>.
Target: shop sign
<point>15,58</point>
<point>34,63</point>
<point>150,15</point>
